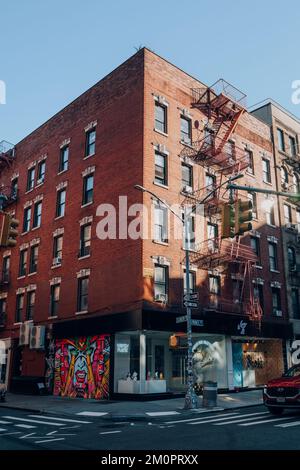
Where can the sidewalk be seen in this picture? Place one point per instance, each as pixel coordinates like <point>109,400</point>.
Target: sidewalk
<point>68,406</point>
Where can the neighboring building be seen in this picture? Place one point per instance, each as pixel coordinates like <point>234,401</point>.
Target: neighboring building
<point>285,129</point>
<point>107,308</point>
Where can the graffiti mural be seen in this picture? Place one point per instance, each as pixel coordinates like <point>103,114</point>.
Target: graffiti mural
<point>81,367</point>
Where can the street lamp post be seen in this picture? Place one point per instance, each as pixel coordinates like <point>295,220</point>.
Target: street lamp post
<point>191,400</point>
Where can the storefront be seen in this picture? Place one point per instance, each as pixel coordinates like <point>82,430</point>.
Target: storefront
<point>5,354</point>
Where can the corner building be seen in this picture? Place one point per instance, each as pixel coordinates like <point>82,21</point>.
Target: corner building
<point>93,318</point>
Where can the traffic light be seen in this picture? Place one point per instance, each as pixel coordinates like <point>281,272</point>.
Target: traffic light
<point>8,230</point>
<point>227,223</point>
<point>243,216</point>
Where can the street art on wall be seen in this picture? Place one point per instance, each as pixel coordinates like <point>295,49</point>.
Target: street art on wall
<point>81,368</point>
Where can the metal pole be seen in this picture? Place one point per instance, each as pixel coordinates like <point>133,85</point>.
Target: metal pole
<point>191,400</point>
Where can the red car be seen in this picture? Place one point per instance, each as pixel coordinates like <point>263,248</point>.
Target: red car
<point>283,392</point>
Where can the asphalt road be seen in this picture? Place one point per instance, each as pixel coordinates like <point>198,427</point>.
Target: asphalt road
<point>251,428</point>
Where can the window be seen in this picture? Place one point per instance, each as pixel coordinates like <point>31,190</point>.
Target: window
<point>237,290</point>
<point>270,214</point>
<point>2,309</point>
<point>284,176</point>
<point>57,247</point>
<point>30,179</point>
<point>27,219</point>
<point>37,215</point>
<point>90,143</point>
<point>23,263</point>
<point>253,199</point>
<point>85,240</point>
<point>258,292</point>
<point>293,146</point>
<point>88,188</point>
<point>187,175</point>
<point>61,203</point>
<point>41,172</point>
<point>30,305</point>
<point>266,170</point>
<point>214,285</point>
<point>82,299</point>
<point>295,303</point>
<point>273,256</point>
<point>14,188</point>
<point>160,224</point>
<point>19,308</point>
<point>192,278</point>
<point>296,183</point>
<point>161,169</point>
<point>34,252</point>
<point>249,157</point>
<point>54,299</point>
<point>210,185</point>
<point>276,301</point>
<point>287,210</point>
<point>63,159</point>
<point>255,245</point>
<point>212,237</point>
<point>161,118</point>
<point>291,258</point>
<point>5,268</point>
<point>160,282</point>
<point>280,137</point>
<point>185,130</point>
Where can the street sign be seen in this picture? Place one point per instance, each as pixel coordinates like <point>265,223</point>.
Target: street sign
<point>192,296</point>
<point>197,323</point>
<point>191,304</point>
<point>181,319</point>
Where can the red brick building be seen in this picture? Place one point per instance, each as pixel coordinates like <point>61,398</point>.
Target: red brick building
<point>106,308</point>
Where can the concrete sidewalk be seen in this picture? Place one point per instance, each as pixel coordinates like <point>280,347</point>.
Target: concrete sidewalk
<point>68,406</point>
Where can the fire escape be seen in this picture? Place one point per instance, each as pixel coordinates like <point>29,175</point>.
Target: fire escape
<point>8,195</point>
<point>223,105</point>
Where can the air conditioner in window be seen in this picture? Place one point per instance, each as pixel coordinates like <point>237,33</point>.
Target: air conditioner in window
<point>161,298</point>
<point>290,226</point>
<point>187,189</point>
<point>24,335</point>
<point>37,337</point>
<point>56,261</point>
<point>278,313</point>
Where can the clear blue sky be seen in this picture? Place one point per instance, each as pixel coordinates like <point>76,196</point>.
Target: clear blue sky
<point>53,50</point>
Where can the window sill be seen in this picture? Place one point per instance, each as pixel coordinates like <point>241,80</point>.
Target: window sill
<point>258,266</point>
<point>161,185</point>
<point>40,184</point>
<point>29,190</point>
<point>32,274</point>
<point>84,257</point>
<point>89,156</point>
<point>17,323</point>
<point>54,266</point>
<point>186,144</point>
<point>52,317</point>
<point>271,225</point>
<point>82,312</point>
<point>269,183</point>
<point>25,233</point>
<point>248,173</point>
<point>87,204</point>
<point>157,242</point>
<point>21,277</point>
<point>274,271</point>
<point>160,132</point>
<point>62,171</point>
<point>35,228</point>
<point>59,217</point>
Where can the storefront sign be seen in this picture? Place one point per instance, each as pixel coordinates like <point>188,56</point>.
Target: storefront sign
<point>295,348</point>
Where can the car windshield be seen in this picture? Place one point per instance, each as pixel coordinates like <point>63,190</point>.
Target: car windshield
<point>293,372</point>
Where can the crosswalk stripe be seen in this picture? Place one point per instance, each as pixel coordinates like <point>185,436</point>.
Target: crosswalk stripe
<point>209,410</point>
<point>25,426</point>
<point>288,425</point>
<point>211,420</point>
<point>33,421</point>
<point>264,421</point>
<point>5,422</point>
<point>162,413</point>
<point>66,420</point>
<point>197,419</point>
<point>2,429</point>
<point>240,420</point>
<point>110,432</point>
<point>91,413</point>
<point>50,440</point>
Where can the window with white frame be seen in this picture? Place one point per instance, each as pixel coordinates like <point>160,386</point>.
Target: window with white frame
<point>160,282</point>
<point>160,224</point>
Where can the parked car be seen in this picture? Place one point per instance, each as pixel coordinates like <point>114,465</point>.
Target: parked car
<point>283,392</point>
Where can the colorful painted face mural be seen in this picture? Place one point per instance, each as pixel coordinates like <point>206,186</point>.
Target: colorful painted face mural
<point>81,367</point>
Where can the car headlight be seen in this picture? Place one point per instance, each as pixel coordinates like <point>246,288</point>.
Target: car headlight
<point>265,389</point>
